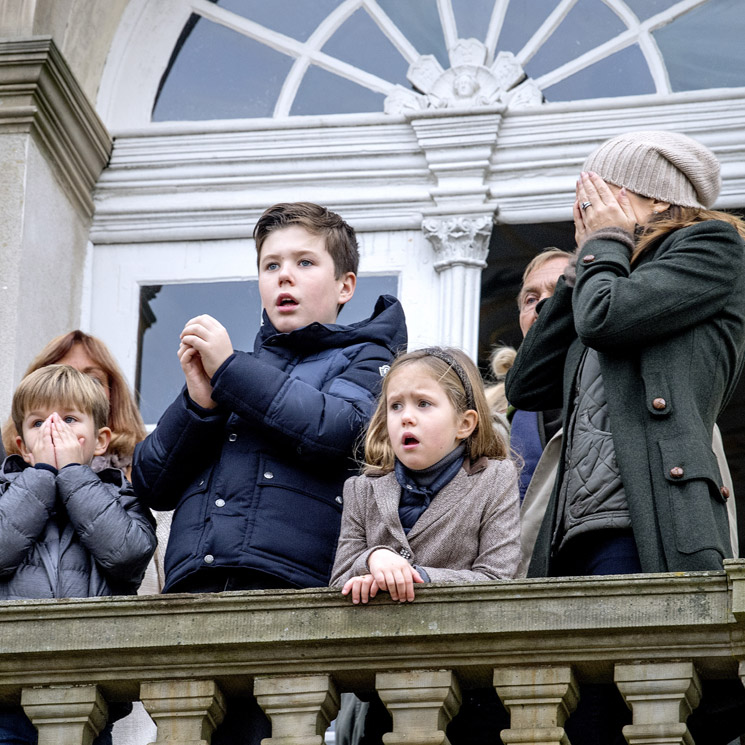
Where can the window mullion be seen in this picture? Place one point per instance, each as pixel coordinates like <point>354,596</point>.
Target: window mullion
<point>557,15</point>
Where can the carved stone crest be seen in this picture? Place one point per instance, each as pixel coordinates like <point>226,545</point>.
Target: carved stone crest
<point>468,83</point>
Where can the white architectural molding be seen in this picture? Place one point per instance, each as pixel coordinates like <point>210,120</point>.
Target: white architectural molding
<point>468,83</point>
<point>210,180</point>
<point>461,245</point>
<point>40,96</point>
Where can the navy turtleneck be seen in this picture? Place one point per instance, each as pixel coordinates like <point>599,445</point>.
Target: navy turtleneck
<point>419,488</point>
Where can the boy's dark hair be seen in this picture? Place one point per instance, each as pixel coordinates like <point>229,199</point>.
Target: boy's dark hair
<point>60,385</point>
<point>341,241</point>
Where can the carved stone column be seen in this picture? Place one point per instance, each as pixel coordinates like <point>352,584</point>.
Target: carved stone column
<point>461,245</point>
<point>185,711</point>
<point>539,699</point>
<point>65,715</point>
<point>661,696</point>
<point>421,702</point>
<point>53,147</point>
<point>301,707</point>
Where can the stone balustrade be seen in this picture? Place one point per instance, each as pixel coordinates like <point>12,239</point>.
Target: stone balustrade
<point>535,641</point>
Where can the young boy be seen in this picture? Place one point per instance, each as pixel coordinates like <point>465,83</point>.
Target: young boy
<point>254,452</point>
<point>66,531</point>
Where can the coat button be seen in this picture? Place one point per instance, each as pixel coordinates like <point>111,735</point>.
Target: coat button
<point>209,559</point>
<point>233,437</point>
<point>405,553</point>
<point>219,502</point>
<point>724,491</point>
<point>338,500</point>
<point>677,472</point>
<point>268,475</point>
<point>659,404</point>
<point>588,259</point>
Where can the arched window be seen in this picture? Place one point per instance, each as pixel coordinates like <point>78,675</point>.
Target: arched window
<point>249,58</point>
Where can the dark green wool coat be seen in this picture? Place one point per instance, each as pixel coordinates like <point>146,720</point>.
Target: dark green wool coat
<point>670,337</point>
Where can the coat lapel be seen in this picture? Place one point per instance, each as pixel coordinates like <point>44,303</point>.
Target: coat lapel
<point>387,492</point>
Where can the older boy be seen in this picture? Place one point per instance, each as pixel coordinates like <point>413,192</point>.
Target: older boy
<point>254,452</point>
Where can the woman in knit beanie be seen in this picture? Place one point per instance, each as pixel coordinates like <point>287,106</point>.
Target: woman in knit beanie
<point>642,348</point>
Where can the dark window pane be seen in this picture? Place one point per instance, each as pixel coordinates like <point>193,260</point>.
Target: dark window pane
<point>511,249</point>
<point>705,48</point>
<point>419,22</point>
<point>295,18</point>
<point>164,309</point>
<point>622,74</point>
<point>587,25</point>
<point>322,92</point>
<point>521,21</point>
<point>472,18</point>
<point>360,42</point>
<point>213,75</point>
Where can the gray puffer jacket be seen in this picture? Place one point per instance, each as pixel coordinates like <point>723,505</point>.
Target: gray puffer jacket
<point>73,533</point>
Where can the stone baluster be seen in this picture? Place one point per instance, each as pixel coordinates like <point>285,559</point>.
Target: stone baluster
<point>539,699</point>
<point>186,712</point>
<point>661,695</point>
<point>65,715</point>
<point>300,707</point>
<point>421,702</point>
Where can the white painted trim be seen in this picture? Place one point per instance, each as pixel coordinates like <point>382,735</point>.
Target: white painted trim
<point>495,28</point>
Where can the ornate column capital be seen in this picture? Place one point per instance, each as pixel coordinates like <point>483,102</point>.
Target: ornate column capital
<point>459,240</point>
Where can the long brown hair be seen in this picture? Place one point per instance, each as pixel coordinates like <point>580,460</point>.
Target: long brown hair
<point>125,422</point>
<point>676,217</point>
<point>483,441</point>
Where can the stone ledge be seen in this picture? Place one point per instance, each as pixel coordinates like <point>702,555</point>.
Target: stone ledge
<point>232,637</point>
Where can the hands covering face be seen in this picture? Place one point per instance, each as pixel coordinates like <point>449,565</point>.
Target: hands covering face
<point>54,442</point>
<point>600,205</point>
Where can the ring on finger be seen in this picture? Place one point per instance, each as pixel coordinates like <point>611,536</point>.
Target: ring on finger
<point>585,205</point>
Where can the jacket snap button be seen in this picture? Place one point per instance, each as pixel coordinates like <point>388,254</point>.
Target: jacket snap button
<point>677,472</point>
<point>724,491</point>
<point>338,500</point>
<point>233,437</point>
<point>268,475</point>
<point>220,502</point>
<point>659,404</point>
<point>588,259</point>
<point>209,559</point>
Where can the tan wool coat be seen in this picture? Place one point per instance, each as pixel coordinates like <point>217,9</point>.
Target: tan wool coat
<point>470,532</point>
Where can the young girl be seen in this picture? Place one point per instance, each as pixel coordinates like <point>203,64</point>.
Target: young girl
<point>438,497</point>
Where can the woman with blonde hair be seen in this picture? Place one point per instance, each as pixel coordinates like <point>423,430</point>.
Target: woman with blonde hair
<point>91,356</point>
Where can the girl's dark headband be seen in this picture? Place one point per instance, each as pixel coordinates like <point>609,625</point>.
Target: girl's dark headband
<point>448,358</point>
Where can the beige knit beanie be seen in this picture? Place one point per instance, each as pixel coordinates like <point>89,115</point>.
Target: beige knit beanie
<point>665,165</point>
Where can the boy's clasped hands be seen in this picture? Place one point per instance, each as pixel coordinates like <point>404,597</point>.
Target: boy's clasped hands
<point>388,571</point>
<point>205,345</point>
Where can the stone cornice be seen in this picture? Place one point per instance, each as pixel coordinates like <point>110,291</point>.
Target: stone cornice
<point>39,95</point>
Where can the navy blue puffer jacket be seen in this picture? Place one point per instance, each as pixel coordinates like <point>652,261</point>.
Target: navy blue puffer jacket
<point>256,483</point>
